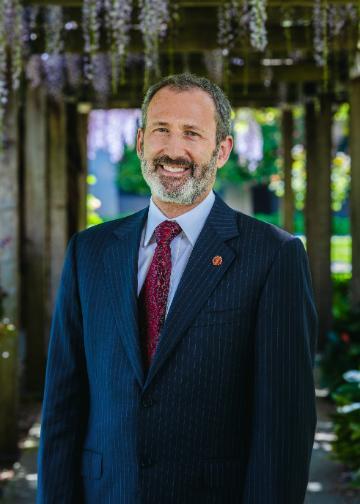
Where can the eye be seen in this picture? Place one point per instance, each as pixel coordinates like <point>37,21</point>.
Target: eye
<point>161,130</point>
<point>191,133</point>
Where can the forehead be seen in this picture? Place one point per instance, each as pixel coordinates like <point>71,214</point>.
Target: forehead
<point>190,106</point>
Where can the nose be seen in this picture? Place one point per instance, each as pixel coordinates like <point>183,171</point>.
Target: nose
<point>175,146</point>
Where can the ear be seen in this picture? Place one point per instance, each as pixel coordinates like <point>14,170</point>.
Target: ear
<point>139,142</point>
<point>224,151</point>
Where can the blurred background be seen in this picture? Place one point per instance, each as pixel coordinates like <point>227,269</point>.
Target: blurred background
<point>72,78</point>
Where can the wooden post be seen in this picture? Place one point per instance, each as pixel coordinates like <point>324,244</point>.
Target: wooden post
<point>36,237</point>
<point>9,280</point>
<point>83,118</point>
<point>355,189</point>
<point>318,209</point>
<point>77,168</point>
<point>287,126</point>
<point>57,198</point>
<point>9,213</point>
<point>8,391</point>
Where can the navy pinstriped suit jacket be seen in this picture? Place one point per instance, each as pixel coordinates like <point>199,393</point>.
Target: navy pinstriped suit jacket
<point>226,413</point>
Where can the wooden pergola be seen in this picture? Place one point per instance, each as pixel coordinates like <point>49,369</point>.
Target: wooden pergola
<point>43,169</point>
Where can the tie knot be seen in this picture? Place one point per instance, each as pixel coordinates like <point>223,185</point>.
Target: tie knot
<point>166,232</point>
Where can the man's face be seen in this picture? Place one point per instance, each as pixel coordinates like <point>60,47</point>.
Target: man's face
<point>177,149</point>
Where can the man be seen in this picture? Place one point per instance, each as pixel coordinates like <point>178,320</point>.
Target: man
<point>182,345</point>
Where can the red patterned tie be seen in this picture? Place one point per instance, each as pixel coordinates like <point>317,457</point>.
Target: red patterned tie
<point>154,293</point>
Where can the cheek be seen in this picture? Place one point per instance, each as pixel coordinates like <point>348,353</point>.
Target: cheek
<point>151,147</point>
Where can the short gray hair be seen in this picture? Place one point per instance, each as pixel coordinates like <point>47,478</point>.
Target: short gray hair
<point>185,82</point>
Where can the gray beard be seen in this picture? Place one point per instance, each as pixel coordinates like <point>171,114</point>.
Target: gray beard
<point>186,193</point>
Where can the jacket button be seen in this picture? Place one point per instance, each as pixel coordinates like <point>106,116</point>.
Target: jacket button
<point>146,462</point>
<point>147,402</point>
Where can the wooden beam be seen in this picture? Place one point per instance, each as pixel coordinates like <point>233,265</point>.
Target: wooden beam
<point>271,3</point>
<point>256,96</point>
<point>196,3</point>
<point>193,37</point>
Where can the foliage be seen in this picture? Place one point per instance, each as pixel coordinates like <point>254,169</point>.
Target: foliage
<point>340,179</point>
<point>231,173</point>
<point>340,225</point>
<point>340,372</point>
<point>129,177</point>
<point>2,297</point>
<point>342,351</point>
<point>5,326</point>
<point>130,180</point>
<point>269,120</point>
<point>92,204</point>
<point>340,169</point>
<point>238,169</point>
<point>346,447</point>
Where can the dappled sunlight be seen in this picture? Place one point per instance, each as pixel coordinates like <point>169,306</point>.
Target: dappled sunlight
<point>314,486</point>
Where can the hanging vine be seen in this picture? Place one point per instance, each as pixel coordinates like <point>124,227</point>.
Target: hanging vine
<point>118,24</point>
<point>11,14</point>
<point>101,83</point>
<point>91,32</point>
<point>287,23</point>
<point>214,63</point>
<point>241,23</point>
<point>258,16</point>
<point>16,45</point>
<point>3,76</point>
<point>319,32</point>
<point>52,59</point>
<point>153,21</point>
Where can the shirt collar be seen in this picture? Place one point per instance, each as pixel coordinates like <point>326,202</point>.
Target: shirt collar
<point>191,222</point>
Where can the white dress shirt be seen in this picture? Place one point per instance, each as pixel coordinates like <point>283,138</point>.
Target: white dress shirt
<point>181,246</point>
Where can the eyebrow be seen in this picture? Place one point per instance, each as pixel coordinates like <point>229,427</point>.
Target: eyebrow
<point>185,126</point>
<point>192,126</point>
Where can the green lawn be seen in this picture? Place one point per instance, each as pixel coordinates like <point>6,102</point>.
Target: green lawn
<point>341,249</point>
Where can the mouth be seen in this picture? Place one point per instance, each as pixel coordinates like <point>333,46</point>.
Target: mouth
<point>172,171</point>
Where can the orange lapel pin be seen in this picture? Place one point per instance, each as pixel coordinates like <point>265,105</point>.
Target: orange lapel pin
<point>217,260</point>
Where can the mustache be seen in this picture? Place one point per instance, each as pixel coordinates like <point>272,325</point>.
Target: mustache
<point>180,162</point>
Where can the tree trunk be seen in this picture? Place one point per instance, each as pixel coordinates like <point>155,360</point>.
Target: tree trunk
<point>355,190</point>
<point>318,209</point>
<point>287,143</point>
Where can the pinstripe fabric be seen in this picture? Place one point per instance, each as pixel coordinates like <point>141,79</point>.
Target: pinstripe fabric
<point>226,413</point>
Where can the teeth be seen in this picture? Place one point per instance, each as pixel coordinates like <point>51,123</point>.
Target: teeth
<point>173,169</point>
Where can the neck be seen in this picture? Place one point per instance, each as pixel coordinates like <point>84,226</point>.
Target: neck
<point>172,210</point>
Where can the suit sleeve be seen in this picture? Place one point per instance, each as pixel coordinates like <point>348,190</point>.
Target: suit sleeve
<point>65,398</point>
<point>284,410</point>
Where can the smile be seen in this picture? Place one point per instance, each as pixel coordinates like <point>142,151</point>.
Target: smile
<point>173,170</point>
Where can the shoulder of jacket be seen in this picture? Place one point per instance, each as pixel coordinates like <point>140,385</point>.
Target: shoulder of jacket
<point>254,228</point>
<point>104,229</point>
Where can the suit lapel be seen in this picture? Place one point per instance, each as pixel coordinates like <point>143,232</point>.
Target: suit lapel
<point>198,280</point>
<point>121,266</point>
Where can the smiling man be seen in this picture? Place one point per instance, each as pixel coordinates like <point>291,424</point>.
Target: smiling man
<point>183,338</point>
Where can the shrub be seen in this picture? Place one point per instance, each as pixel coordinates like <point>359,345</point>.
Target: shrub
<point>346,447</point>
